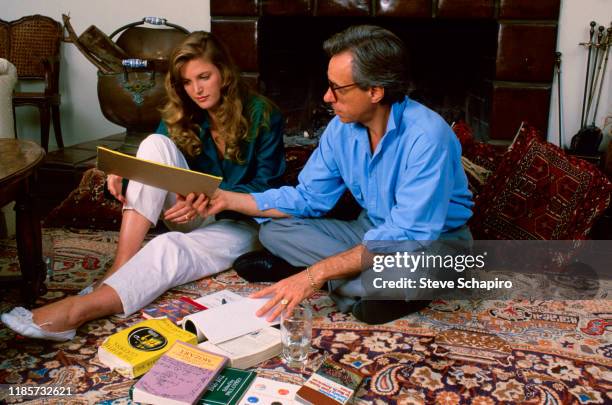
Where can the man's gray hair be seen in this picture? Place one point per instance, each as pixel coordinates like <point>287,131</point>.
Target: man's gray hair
<point>379,59</point>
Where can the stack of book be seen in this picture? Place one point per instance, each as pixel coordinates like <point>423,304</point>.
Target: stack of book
<point>179,371</point>
<point>188,375</point>
<point>246,344</point>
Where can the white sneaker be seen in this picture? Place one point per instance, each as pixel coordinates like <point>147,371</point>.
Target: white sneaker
<point>20,321</point>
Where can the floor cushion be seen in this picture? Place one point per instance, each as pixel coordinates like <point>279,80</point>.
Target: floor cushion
<point>87,206</point>
<point>539,192</point>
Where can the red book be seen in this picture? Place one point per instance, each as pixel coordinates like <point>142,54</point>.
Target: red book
<point>332,384</point>
<point>175,309</point>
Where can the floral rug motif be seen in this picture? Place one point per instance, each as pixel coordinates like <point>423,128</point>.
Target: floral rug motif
<point>453,352</point>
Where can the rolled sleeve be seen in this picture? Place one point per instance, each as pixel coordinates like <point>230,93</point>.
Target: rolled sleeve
<point>319,188</point>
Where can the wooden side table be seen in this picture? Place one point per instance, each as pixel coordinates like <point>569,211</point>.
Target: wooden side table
<point>18,163</point>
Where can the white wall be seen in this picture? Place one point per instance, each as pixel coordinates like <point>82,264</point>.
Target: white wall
<point>574,28</point>
<point>81,117</point>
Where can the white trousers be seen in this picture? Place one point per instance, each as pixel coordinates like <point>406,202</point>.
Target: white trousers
<point>189,252</point>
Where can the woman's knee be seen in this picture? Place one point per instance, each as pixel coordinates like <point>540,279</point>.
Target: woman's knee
<point>166,241</point>
<point>153,145</point>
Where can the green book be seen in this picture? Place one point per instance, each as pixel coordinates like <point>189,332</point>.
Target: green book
<point>227,389</point>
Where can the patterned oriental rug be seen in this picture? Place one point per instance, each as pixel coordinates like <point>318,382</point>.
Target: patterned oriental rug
<point>472,352</point>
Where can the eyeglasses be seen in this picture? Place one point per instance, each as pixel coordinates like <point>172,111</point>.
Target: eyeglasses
<point>333,87</point>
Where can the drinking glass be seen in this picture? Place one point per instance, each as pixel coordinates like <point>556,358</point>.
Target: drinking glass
<point>296,334</point>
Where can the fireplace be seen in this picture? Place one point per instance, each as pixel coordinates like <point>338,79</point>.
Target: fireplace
<point>489,62</point>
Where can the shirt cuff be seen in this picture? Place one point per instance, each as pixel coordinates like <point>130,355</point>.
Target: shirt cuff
<point>261,220</point>
<point>263,201</point>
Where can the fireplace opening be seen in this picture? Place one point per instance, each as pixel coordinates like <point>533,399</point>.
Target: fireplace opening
<point>449,63</point>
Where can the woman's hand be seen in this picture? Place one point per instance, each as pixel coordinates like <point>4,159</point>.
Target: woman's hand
<point>115,185</point>
<point>286,294</point>
<point>183,211</point>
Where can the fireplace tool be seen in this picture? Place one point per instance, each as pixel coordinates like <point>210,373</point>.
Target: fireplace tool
<point>587,140</point>
<point>605,67</point>
<point>558,72</point>
<point>589,45</point>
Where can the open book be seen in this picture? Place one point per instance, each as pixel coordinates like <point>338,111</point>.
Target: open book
<point>248,350</point>
<point>212,324</point>
<point>245,343</point>
<point>175,179</point>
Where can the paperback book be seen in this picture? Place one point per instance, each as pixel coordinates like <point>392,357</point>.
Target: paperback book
<point>133,351</point>
<point>265,391</point>
<point>227,389</point>
<point>229,386</point>
<point>250,349</point>
<point>213,325</point>
<point>179,377</point>
<point>332,384</point>
<point>175,309</point>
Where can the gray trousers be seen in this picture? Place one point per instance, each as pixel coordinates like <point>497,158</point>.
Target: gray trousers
<point>305,241</point>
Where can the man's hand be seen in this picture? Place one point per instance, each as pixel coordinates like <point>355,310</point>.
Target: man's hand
<point>293,289</point>
<point>114,185</point>
<point>298,287</point>
<point>183,211</point>
<point>220,201</point>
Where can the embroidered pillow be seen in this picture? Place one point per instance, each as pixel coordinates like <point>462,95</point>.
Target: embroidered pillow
<point>539,192</point>
<point>87,206</point>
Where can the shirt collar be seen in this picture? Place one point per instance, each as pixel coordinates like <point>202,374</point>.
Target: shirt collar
<point>204,126</point>
<point>396,115</point>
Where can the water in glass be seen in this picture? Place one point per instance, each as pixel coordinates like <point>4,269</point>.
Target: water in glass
<point>296,333</point>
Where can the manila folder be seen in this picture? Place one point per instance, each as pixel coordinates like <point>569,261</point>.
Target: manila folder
<point>175,179</point>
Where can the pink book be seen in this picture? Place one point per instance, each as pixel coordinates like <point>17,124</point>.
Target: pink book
<point>179,377</point>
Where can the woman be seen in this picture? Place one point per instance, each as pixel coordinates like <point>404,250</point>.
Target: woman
<point>211,123</point>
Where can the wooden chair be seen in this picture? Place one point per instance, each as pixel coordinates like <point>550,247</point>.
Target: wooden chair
<point>33,46</point>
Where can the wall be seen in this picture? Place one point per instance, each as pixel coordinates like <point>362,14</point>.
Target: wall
<point>81,117</point>
<point>574,28</point>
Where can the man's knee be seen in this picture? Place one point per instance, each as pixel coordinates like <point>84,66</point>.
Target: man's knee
<point>274,233</point>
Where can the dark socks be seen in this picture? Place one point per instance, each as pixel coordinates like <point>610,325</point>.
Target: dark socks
<point>261,266</point>
<point>383,311</point>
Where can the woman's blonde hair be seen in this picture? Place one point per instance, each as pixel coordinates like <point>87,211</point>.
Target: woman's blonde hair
<point>234,114</point>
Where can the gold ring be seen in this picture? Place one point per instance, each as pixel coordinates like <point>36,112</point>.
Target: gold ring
<point>284,302</point>
<point>186,217</point>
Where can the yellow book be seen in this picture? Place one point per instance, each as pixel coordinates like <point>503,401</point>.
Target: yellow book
<point>133,351</point>
<point>175,179</point>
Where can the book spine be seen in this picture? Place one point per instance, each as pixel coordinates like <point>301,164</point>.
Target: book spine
<point>141,368</point>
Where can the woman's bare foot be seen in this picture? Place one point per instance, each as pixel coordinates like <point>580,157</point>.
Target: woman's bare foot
<point>72,312</point>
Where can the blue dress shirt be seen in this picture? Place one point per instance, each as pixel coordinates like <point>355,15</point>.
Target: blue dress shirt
<point>413,187</point>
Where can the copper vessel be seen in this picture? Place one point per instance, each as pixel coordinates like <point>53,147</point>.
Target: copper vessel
<point>132,98</point>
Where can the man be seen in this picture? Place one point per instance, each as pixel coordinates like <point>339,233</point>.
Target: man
<point>400,160</point>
